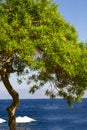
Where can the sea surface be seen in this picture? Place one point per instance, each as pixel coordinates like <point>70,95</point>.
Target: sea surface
<point>49,114</point>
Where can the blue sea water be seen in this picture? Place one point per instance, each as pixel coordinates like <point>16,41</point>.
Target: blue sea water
<point>49,114</point>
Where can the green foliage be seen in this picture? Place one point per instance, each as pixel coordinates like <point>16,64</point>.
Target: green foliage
<point>34,34</point>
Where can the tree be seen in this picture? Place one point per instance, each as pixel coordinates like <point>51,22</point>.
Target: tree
<point>34,35</point>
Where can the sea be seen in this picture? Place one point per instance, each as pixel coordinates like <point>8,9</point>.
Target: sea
<point>50,114</point>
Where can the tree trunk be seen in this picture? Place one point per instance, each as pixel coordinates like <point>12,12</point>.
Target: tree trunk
<point>12,108</point>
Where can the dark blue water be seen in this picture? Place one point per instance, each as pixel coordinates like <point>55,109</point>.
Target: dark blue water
<point>50,114</point>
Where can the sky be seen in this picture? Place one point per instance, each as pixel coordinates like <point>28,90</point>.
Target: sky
<point>74,12</point>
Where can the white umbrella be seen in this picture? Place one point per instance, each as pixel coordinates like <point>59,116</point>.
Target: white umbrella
<point>24,119</point>
<point>2,120</point>
<point>19,119</point>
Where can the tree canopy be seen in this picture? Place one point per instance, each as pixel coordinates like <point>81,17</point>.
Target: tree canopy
<point>34,34</point>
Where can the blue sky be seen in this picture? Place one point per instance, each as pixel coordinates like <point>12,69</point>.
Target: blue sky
<point>75,12</point>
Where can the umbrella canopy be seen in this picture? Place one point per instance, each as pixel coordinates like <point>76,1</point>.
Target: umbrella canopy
<point>24,119</point>
<point>2,120</point>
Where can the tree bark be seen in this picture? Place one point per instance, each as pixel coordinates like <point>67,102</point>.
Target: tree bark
<point>12,108</point>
